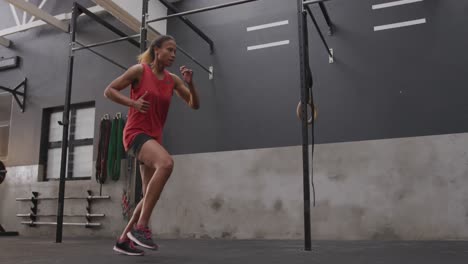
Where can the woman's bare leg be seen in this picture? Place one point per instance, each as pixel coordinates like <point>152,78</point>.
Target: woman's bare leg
<point>153,155</point>
<point>146,174</point>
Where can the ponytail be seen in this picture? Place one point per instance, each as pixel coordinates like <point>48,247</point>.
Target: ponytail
<point>148,56</point>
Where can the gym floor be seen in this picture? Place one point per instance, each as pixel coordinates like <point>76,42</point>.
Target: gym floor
<point>20,250</point>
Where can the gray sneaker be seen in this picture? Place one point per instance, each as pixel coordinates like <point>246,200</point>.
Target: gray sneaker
<point>142,237</point>
<point>127,248</point>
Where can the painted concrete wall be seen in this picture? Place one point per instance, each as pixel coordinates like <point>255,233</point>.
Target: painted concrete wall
<point>407,188</point>
<point>23,180</point>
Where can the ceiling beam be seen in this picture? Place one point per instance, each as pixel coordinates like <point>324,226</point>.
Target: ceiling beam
<point>38,23</point>
<point>125,17</point>
<point>41,14</point>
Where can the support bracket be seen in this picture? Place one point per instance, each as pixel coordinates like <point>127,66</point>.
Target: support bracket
<point>19,96</point>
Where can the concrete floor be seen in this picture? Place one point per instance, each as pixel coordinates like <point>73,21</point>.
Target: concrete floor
<point>20,250</point>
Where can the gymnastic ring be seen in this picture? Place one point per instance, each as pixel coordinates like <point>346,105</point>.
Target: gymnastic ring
<point>299,112</point>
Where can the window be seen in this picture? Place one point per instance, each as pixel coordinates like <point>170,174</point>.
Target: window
<point>80,142</point>
<point>5,115</point>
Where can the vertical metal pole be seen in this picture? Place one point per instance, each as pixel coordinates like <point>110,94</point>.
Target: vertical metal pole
<point>303,57</point>
<point>144,26</point>
<point>143,38</point>
<point>65,124</point>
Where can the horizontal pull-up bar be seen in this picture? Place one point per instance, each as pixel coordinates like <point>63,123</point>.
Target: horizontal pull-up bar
<point>200,10</point>
<point>105,23</point>
<point>102,56</point>
<point>88,47</point>
<point>106,42</point>
<point>309,2</point>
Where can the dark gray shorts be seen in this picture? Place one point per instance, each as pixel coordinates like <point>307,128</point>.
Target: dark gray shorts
<point>137,143</point>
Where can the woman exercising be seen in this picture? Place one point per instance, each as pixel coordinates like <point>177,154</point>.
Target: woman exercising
<point>152,87</point>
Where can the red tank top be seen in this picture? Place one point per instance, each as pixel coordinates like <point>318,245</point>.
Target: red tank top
<point>159,97</point>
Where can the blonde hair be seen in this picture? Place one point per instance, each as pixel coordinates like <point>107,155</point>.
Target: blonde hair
<point>148,56</point>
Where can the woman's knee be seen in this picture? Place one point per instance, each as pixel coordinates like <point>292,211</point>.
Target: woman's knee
<point>155,156</point>
<point>166,162</point>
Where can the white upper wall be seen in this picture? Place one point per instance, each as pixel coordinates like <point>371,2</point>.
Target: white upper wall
<point>155,10</point>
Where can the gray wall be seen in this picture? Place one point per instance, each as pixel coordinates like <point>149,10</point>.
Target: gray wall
<point>44,58</point>
<point>252,100</point>
<point>395,83</point>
